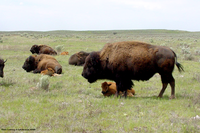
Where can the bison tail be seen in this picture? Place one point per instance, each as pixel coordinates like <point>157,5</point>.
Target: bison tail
<point>180,67</point>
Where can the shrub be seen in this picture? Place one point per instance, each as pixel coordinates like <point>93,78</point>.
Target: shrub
<point>44,82</point>
<point>197,52</point>
<point>59,48</point>
<point>188,57</point>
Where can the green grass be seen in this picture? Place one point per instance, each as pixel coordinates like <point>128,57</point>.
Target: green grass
<point>71,104</point>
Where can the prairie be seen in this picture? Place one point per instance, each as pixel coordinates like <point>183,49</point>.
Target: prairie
<point>71,104</point>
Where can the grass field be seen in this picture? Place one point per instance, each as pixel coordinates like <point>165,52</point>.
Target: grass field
<point>73,105</point>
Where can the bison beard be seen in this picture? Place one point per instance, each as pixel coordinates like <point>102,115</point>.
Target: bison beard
<point>127,61</point>
<point>2,64</point>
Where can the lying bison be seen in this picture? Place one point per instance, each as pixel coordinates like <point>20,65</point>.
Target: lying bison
<point>2,64</point>
<point>42,49</point>
<point>78,59</point>
<point>109,89</point>
<point>48,71</point>
<point>38,63</point>
<point>132,60</point>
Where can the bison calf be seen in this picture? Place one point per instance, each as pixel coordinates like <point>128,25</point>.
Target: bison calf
<point>38,63</point>
<point>42,49</point>
<point>109,88</point>
<point>2,64</point>
<point>48,71</point>
<point>132,60</point>
<point>78,59</point>
<point>64,53</point>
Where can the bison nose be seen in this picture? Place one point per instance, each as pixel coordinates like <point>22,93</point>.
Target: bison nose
<point>23,67</point>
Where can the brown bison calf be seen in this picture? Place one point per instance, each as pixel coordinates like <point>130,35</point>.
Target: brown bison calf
<point>132,60</point>
<point>64,53</point>
<point>38,63</point>
<point>78,59</point>
<point>109,88</point>
<point>2,64</point>
<point>42,49</point>
<point>48,71</point>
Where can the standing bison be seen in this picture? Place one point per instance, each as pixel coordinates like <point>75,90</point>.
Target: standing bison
<point>132,60</point>
<point>38,63</point>
<point>2,64</point>
<point>78,59</point>
<point>42,49</point>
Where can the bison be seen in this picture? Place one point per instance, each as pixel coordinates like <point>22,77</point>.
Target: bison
<point>132,60</point>
<point>42,49</point>
<point>48,71</point>
<point>64,53</point>
<point>2,64</point>
<point>38,63</point>
<point>109,88</point>
<point>78,59</point>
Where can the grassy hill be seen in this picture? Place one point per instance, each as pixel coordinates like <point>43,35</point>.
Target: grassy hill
<point>73,105</point>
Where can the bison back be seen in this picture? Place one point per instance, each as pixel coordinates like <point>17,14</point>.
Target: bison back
<point>49,63</point>
<point>138,60</point>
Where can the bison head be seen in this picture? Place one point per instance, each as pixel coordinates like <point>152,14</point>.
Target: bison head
<point>29,64</point>
<point>105,87</point>
<point>35,49</point>
<point>1,67</point>
<point>92,67</point>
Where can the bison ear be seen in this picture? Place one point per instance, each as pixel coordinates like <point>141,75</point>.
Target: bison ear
<point>31,59</point>
<point>109,84</point>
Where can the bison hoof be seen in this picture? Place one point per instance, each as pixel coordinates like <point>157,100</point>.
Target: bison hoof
<point>172,97</point>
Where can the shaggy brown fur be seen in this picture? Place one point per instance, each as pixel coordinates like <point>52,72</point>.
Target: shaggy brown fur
<point>110,88</point>
<point>42,49</point>
<point>132,60</point>
<point>48,71</point>
<point>38,63</point>
<point>78,58</point>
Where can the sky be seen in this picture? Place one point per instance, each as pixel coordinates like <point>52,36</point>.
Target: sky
<point>48,15</point>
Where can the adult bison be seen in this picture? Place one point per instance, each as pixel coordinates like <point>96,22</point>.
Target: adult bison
<point>78,59</point>
<point>132,60</point>
<point>42,49</point>
<point>2,64</point>
<point>38,63</point>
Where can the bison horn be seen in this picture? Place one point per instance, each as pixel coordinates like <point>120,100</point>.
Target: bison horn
<point>5,60</point>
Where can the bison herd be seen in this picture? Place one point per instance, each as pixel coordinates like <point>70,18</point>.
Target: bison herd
<point>121,62</point>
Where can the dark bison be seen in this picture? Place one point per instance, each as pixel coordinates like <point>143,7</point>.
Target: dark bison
<point>132,60</point>
<point>42,49</point>
<point>78,59</point>
<point>2,64</point>
<point>38,63</point>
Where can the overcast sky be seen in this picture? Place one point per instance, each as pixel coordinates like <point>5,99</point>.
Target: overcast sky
<point>46,15</point>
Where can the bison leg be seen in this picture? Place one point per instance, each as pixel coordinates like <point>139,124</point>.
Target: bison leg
<point>123,86</point>
<point>163,90</point>
<point>165,80</point>
<point>36,71</point>
<point>172,84</point>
